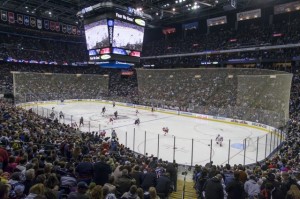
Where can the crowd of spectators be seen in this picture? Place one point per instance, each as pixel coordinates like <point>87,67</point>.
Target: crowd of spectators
<point>41,158</point>
<point>44,86</point>
<point>233,93</point>
<point>277,177</point>
<point>252,33</point>
<point>28,45</point>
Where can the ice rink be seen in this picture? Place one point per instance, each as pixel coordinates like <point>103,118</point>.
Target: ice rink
<point>190,136</point>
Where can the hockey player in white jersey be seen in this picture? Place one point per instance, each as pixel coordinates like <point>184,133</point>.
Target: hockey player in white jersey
<point>219,140</point>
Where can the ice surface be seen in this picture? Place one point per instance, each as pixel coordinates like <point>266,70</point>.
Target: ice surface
<point>185,133</point>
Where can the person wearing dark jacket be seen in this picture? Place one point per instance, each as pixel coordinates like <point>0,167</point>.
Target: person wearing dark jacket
<point>172,170</point>
<point>137,175</point>
<point>235,189</point>
<point>149,180</point>
<point>213,188</point>
<point>102,172</point>
<point>163,185</point>
<point>270,180</point>
<point>124,183</point>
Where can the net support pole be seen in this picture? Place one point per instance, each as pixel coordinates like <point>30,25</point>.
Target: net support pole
<point>100,128</point>
<point>257,149</point>
<point>274,141</point>
<point>47,113</point>
<point>42,112</point>
<point>126,139</point>
<point>228,151</point>
<point>277,144</point>
<point>157,145</point>
<point>271,142</point>
<point>245,143</point>
<point>145,143</point>
<point>71,119</point>
<point>192,155</point>
<point>210,151</point>
<point>174,148</point>
<point>133,139</point>
<point>266,145</point>
<point>89,126</point>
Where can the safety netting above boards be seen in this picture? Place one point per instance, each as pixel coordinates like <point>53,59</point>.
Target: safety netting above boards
<point>57,86</point>
<point>248,94</point>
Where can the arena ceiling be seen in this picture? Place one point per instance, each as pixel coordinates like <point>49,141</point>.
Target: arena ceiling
<point>164,12</point>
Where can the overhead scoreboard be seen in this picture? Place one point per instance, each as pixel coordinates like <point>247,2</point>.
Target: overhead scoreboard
<point>114,37</point>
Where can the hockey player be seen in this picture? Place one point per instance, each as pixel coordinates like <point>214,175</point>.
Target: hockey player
<point>152,109</point>
<point>116,114</point>
<point>114,104</point>
<point>136,112</point>
<point>137,121</point>
<point>111,120</point>
<point>61,115</point>
<point>165,130</point>
<point>81,122</point>
<point>219,140</point>
<point>103,110</point>
<point>113,134</point>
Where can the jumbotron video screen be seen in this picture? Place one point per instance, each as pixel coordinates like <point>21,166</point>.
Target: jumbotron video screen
<point>128,36</point>
<point>116,38</point>
<point>96,34</point>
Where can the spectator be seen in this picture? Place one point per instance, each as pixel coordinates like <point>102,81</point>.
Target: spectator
<point>163,186</point>
<point>149,180</point>
<point>137,175</point>
<point>36,190</point>
<point>3,191</point>
<point>82,188</point>
<point>84,170</point>
<point>124,183</point>
<point>101,171</point>
<point>131,194</point>
<point>97,192</point>
<point>111,185</point>
<point>235,189</point>
<point>213,188</point>
<point>293,193</point>
<point>251,187</point>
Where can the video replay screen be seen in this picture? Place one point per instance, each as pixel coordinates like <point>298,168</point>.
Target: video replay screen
<point>128,36</point>
<point>96,34</point>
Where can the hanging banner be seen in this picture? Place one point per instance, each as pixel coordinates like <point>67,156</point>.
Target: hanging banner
<point>251,14</point>
<point>3,15</point>
<point>64,28</point>
<point>39,23</point>
<point>11,17</point>
<point>69,29</point>
<point>189,26</point>
<point>74,30</point>
<point>26,20</point>
<point>32,21</point>
<point>46,24</point>
<point>52,25</point>
<point>216,21</point>
<point>287,7</point>
<point>20,18</point>
<point>57,26</point>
